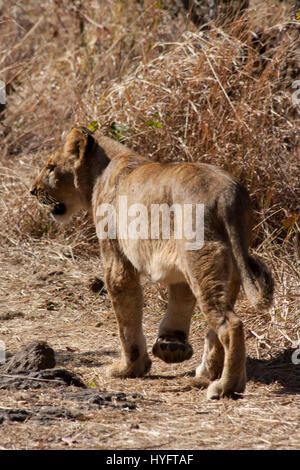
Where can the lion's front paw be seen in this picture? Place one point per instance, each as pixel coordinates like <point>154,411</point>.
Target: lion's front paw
<point>172,350</point>
<point>122,369</point>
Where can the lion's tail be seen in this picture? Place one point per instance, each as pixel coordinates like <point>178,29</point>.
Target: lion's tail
<point>258,283</point>
<point>255,275</point>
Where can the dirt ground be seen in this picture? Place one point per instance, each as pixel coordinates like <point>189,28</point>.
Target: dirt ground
<point>46,296</point>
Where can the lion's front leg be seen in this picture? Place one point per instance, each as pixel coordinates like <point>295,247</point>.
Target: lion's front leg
<point>172,343</point>
<point>124,288</point>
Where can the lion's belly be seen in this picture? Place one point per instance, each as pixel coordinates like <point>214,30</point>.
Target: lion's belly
<point>156,260</point>
<point>160,271</point>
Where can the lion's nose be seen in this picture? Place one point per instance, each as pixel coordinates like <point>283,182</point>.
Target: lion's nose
<point>33,190</point>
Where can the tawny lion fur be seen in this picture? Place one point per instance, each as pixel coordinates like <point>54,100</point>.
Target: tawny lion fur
<point>85,173</point>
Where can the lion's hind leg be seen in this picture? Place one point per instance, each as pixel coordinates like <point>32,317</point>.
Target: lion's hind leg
<point>212,363</point>
<point>233,378</point>
<point>210,273</point>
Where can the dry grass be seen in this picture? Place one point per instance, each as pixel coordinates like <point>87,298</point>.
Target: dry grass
<point>173,93</point>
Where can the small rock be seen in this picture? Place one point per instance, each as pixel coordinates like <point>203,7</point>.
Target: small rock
<point>34,356</point>
<point>96,285</point>
<point>42,414</point>
<point>11,315</point>
<point>66,377</point>
<point>51,305</point>
<point>134,426</point>
<point>15,415</point>
<point>51,412</point>
<point>25,380</point>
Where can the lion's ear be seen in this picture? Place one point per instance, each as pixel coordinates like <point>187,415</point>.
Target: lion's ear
<point>78,146</point>
<point>79,142</point>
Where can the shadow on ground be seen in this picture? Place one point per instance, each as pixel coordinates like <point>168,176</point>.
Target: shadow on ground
<point>279,369</point>
<point>87,359</point>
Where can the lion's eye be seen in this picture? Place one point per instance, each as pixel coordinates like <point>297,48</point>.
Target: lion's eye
<point>51,168</point>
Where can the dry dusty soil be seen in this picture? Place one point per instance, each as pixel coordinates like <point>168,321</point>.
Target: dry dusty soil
<point>46,296</point>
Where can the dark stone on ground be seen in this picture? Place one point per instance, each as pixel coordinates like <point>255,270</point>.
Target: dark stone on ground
<point>96,285</point>
<point>25,380</point>
<point>11,315</point>
<point>33,368</point>
<point>14,415</point>
<point>34,356</point>
<point>90,399</point>
<point>66,377</point>
<point>49,413</point>
<point>43,414</point>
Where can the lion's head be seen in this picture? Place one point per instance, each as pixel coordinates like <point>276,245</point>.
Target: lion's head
<point>66,180</point>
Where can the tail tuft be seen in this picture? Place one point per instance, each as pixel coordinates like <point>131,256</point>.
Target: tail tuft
<point>264,283</point>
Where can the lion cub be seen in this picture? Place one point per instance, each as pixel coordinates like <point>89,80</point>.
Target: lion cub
<point>187,225</point>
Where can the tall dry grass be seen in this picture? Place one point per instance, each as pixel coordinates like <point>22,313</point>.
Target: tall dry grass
<point>168,90</point>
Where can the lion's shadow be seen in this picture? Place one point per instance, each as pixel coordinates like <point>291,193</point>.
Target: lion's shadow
<point>279,369</point>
